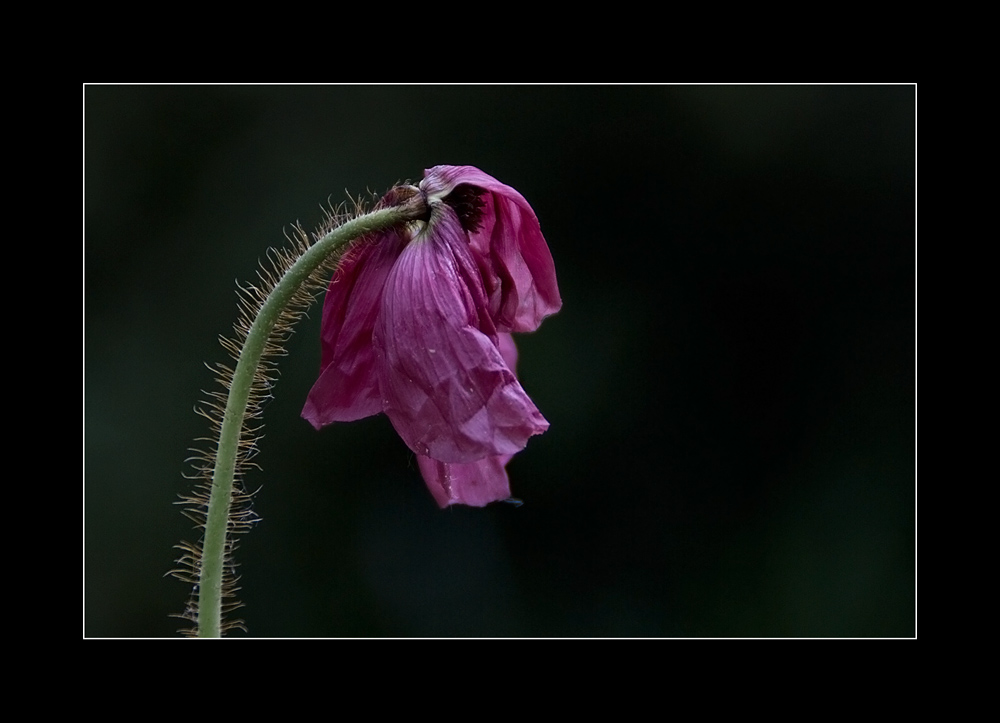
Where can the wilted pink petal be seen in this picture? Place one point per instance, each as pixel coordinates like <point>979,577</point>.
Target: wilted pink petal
<point>508,350</point>
<point>445,385</point>
<point>475,483</point>
<point>518,270</point>
<point>347,388</point>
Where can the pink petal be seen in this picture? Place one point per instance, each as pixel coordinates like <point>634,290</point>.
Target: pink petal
<point>517,266</point>
<point>444,383</point>
<point>508,350</point>
<point>347,388</point>
<point>475,484</point>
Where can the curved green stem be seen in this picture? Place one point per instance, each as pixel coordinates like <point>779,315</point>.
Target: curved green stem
<point>214,547</point>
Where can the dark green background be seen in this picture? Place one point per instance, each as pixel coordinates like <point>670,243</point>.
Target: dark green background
<point>730,383</point>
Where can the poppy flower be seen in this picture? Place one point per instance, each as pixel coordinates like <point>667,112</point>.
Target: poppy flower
<point>417,322</point>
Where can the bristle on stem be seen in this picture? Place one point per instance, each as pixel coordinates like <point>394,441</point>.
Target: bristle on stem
<point>219,505</point>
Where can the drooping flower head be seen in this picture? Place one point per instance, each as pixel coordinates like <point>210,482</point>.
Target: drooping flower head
<point>416,324</point>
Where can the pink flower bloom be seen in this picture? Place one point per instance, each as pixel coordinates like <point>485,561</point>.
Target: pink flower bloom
<point>417,322</point>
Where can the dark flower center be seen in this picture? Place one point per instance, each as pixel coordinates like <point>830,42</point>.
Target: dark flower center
<point>467,202</point>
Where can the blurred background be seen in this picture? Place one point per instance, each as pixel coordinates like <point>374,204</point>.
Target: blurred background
<point>730,383</point>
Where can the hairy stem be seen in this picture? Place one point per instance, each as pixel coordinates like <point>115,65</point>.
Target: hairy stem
<point>211,573</point>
